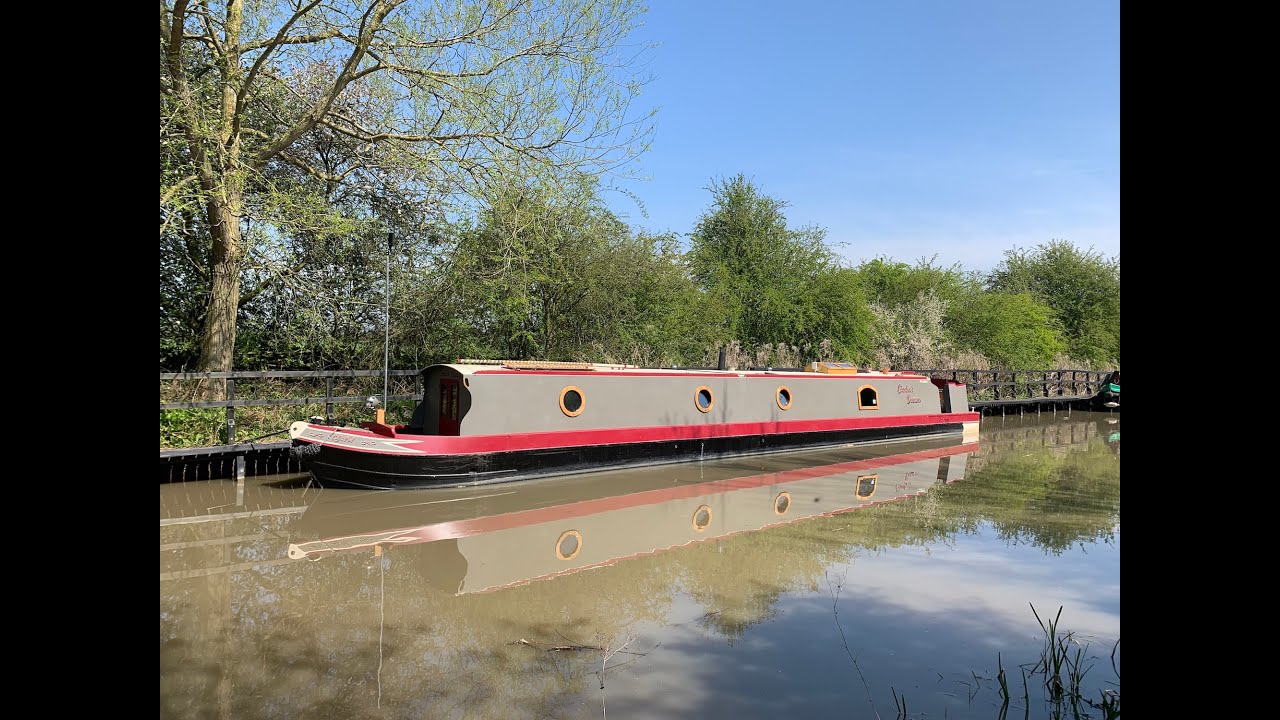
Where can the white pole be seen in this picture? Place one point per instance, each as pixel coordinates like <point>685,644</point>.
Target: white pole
<point>386,338</point>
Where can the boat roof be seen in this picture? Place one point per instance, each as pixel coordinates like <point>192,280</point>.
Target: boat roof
<point>540,367</point>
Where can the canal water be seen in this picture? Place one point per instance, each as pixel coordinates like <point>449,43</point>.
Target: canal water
<point>848,582</point>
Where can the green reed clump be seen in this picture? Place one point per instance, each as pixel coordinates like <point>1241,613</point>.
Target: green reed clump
<point>1065,667</point>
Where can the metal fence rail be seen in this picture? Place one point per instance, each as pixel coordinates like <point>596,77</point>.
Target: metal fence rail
<point>988,386</point>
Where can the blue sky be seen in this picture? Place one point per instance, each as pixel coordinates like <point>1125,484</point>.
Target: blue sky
<point>907,128</point>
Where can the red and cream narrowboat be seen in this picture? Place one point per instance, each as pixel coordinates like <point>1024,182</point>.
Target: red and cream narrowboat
<point>482,423</point>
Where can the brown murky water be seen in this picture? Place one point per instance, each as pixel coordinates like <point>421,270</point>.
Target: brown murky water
<point>820,584</point>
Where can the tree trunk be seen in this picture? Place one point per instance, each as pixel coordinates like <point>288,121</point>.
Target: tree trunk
<point>217,345</point>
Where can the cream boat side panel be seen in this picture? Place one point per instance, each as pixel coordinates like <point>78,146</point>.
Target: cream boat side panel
<point>519,403</point>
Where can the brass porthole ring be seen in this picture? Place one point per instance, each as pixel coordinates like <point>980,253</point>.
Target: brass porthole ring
<point>874,397</point>
<point>702,517</point>
<point>783,397</point>
<point>865,481</point>
<point>572,401</point>
<point>704,399</point>
<point>570,540</point>
<point>782,503</point>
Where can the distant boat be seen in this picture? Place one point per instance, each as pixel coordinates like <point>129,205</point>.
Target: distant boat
<point>484,539</point>
<point>1108,397</point>
<point>482,422</point>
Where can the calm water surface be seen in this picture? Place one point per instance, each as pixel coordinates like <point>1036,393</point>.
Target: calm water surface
<point>819,584</point>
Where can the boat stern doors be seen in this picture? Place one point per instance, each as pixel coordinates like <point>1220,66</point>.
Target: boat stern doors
<point>450,399</point>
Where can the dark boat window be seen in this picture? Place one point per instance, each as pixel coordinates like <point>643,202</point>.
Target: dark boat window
<point>782,503</point>
<point>704,399</point>
<point>569,545</point>
<point>867,399</point>
<point>572,401</point>
<point>866,486</point>
<point>701,518</point>
<point>784,398</point>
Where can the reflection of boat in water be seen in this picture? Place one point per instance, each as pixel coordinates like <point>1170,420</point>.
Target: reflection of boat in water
<point>469,540</point>
<point>485,423</point>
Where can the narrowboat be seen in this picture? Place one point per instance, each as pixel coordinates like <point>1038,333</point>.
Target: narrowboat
<point>1108,396</point>
<point>479,540</point>
<point>496,421</point>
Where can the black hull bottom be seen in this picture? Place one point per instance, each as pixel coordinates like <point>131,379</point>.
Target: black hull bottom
<point>333,467</point>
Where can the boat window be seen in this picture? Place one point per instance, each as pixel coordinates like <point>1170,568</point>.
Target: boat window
<point>867,399</point>
<point>569,545</point>
<point>701,518</point>
<point>781,503</point>
<point>866,486</point>
<point>784,398</point>
<point>704,399</point>
<point>572,401</point>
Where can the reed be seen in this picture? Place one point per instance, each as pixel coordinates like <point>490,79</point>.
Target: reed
<point>1065,663</point>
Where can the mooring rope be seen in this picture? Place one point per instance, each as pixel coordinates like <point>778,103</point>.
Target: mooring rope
<point>251,440</point>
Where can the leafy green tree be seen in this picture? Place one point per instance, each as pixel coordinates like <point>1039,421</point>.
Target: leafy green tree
<point>554,275</point>
<point>1014,330</point>
<point>894,284</point>
<point>643,308</point>
<point>400,105</point>
<point>777,284</point>
<point>1081,286</point>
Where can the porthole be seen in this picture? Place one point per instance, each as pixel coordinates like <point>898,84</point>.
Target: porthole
<point>569,545</point>
<point>866,486</point>
<point>868,398</point>
<point>782,503</point>
<point>572,401</point>
<point>783,398</point>
<point>702,517</point>
<point>704,399</point>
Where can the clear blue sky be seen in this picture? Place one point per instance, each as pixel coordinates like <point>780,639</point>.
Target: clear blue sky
<point>907,128</point>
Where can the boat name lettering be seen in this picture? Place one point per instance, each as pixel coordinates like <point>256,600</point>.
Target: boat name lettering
<point>337,438</point>
<point>905,389</point>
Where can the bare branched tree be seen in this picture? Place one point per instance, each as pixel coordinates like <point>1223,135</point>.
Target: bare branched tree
<point>281,110</point>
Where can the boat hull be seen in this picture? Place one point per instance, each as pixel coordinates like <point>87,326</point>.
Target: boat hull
<point>332,466</point>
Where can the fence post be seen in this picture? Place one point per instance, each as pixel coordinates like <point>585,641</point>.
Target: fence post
<point>1045,378</point>
<point>238,463</point>
<point>328,403</point>
<point>417,389</point>
<point>1073,383</point>
<point>995,383</point>
<point>231,411</point>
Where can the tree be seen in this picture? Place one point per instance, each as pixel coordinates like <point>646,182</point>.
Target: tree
<point>892,284</point>
<point>778,284</point>
<point>528,267</point>
<point>1014,330</point>
<point>1081,286</point>
<point>274,110</point>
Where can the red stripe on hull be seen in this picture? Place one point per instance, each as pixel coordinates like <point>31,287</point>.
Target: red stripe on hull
<point>437,445</point>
